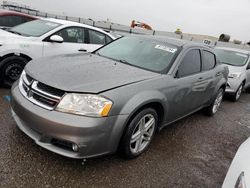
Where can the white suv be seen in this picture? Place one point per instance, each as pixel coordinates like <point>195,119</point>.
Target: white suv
<point>45,37</point>
<point>238,62</point>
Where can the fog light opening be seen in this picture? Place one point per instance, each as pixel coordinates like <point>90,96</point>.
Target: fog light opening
<point>75,147</point>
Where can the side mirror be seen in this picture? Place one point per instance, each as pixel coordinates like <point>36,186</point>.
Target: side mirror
<point>56,38</point>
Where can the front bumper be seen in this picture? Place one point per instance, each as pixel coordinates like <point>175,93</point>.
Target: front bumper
<point>232,85</point>
<point>57,131</point>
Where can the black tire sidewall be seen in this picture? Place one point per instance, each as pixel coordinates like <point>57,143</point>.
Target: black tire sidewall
<point>8,62</point>
<point>125,144</point>
<point>210,108</point>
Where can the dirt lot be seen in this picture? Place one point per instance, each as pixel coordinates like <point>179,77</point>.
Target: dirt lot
<point>195,152</point>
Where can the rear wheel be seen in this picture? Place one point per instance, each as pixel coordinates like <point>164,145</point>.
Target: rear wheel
<point>139,133</point>
<point>11,69</point>
<point>213,108</point>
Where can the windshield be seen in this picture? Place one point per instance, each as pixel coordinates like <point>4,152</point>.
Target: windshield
<point>140,52</point>
<point>231,57</point>
<point>34,28</point>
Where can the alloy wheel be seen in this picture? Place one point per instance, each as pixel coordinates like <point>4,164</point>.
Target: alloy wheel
<point>142,134</point>
<point>217,102</point>
<point>238,93</point>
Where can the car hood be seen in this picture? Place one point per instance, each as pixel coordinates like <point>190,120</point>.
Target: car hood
<point>85,73</point>
<point>236,69</point>
<point>7,37</point>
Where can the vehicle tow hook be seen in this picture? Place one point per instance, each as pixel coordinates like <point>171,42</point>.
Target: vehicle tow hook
<point>84,162</point>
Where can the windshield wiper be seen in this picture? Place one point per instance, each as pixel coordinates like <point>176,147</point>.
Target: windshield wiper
<point>231,64</point>
<point>15,32</point>
<point>97,53</point>
<point>124,61</point>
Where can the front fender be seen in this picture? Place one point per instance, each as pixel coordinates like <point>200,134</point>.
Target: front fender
<point>143,98</point>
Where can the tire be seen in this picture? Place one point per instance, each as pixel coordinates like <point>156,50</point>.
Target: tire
<point>133,147</point>
<point>247,90</point>
<point>236,96</point>
<point>214,106</point>
<point>11,69</point>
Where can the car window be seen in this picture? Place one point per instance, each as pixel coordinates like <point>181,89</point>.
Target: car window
<point>10,21</point>
<point>208,61</point>
<point>27,19</point>
<point>190,64</point>
<point>144,53</point>
<point>231,57</point>
<point>108,39</point>
<point>96,37</point>
<point>72,34</point>
<point>35,28</point>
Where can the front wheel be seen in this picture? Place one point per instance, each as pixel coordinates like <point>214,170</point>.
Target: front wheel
<point>236,96</point>
<point>139,133</point>
<point>11,69</point>
<point>213,108</point>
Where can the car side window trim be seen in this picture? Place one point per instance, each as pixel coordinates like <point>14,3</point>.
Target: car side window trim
<point>181,60</point>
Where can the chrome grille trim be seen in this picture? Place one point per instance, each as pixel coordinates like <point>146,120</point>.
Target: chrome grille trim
<point>30,91</point>
<point>25,80</point>
<point>35,88</point>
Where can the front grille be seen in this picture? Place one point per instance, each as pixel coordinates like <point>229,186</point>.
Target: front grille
<point>38,93</point>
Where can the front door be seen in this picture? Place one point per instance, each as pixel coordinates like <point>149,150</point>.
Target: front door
<point>73,42</point>
<point>188,86</point>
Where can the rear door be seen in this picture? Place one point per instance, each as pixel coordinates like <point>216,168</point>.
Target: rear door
<point>248,74</point>
<point>209,76</point>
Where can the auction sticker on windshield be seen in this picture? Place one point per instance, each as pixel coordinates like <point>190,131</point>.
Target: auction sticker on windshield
<point>166,48</point>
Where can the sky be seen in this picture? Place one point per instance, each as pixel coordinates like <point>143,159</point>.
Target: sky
<point>209,17</point>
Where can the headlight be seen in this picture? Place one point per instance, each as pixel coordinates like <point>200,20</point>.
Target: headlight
<point>241,182</point>
<point>85,104</point>
<point>234,75</point>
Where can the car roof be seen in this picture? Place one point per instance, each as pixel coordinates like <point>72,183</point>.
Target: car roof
<point>67,22</point>
<point>234,49</point>
<point>13,13</point>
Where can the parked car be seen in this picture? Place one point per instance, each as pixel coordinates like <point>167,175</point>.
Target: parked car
<point>88,105</point>
<point>10,19</point>
<point>238,174</point>
<point>44,37</point>
<point>237,61</point>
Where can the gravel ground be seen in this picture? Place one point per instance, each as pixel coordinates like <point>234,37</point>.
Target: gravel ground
<point>194,152</point>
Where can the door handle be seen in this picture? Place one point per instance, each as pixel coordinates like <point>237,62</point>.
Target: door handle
<point>200,79</point>
<point>82,50</point>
